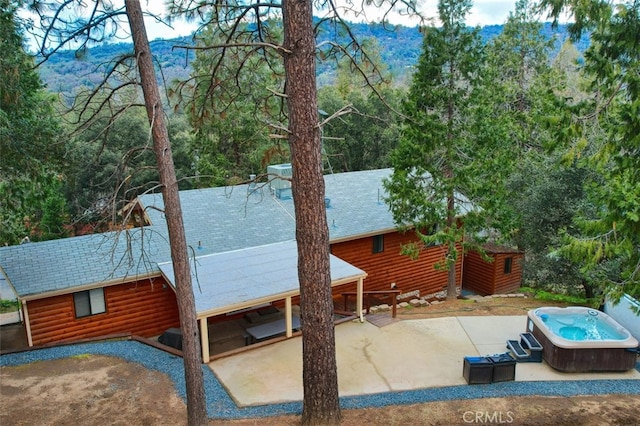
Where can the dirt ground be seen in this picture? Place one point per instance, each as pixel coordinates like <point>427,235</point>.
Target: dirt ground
<point>98,390</point>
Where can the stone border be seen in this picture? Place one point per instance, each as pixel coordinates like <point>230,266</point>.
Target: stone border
<point>440,297</point>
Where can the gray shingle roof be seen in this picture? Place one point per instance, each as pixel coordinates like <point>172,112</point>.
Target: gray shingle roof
<point>216,220</point>
<point>58,265</point>
<point>227,218</point>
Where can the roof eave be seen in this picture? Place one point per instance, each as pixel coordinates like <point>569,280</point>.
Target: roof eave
<point>90,286</point>
<point>363,235</point>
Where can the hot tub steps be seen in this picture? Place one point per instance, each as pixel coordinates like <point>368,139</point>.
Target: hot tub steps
<point>517,350</point>
<point>530,343</point>
<point>527,349</point>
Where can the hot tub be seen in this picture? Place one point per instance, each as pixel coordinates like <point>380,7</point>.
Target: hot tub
<point>578,339</point>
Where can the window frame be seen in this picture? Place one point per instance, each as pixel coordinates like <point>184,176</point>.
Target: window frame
<point>378,244</point>
<point>508,265</point>
<point>89,303</point>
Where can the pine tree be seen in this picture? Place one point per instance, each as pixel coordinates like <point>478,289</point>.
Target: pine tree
<point>608,244</point>
<point>432,162</point>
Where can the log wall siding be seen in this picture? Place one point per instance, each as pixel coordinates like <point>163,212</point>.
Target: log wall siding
<point>145,308</point>
<point>389,266</point>
<point>488,277</point>
<point>507,283</point>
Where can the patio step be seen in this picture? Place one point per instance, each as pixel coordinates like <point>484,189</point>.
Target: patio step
<point>530,343</point>
<point>517,349</point>
<point>527,349</point>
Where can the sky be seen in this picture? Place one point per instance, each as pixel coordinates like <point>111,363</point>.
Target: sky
<point>483,12</point>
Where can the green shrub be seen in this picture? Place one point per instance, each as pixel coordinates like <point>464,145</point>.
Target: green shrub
<point>8,306</point>
<point>558,297</point>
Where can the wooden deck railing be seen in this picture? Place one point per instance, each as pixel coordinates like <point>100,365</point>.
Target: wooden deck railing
<point>393,293</point>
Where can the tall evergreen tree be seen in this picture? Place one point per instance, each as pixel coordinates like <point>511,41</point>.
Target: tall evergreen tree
<point>321,404</point>
<point>524,105</point>
<point>522,82</point>
<point>31,151</point>
<point>196,402</point>
<point>432,164</point>
<point>609,242</point>
<point>232,115</point>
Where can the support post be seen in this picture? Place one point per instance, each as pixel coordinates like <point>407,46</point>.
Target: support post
<point>287,317</point>
<point>359,297</point>
<point>394,308</point>
<point>204,339</point>
<point>27,323</point>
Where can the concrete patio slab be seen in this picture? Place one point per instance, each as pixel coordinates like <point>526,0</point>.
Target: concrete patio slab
<point>410,354</point>
<point>490,333</point>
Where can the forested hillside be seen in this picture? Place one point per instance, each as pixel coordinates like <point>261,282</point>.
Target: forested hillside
<point>540,134</point>
<point>399,46</point>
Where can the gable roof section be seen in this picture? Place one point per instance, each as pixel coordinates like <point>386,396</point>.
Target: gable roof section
<point>36,270</point>
<point>357,206</point>
<point>230,218</point>
<point>216,220</point>
<point>225,218</point>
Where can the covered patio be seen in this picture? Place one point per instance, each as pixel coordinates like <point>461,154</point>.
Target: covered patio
<point>226,283</point>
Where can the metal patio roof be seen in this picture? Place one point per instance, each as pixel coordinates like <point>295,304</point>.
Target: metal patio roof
<point>235,280</point>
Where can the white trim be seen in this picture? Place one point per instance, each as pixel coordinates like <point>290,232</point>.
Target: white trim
<point>288,317</point>
<point>99,284</point>
<point>204,340</point>
<point>359,298</point>
<point>27,323</point>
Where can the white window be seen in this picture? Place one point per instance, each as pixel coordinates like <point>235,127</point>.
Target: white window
<point>90,302</point>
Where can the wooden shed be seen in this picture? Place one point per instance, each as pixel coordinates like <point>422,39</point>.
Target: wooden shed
<point>501,275</point>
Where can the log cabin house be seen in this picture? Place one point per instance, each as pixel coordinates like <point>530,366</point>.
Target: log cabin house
<point>97,285</point>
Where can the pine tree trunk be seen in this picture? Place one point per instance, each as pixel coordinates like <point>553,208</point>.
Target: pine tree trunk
<point>452,291</point>
<point>320,381</point>
<point>196,406</point>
